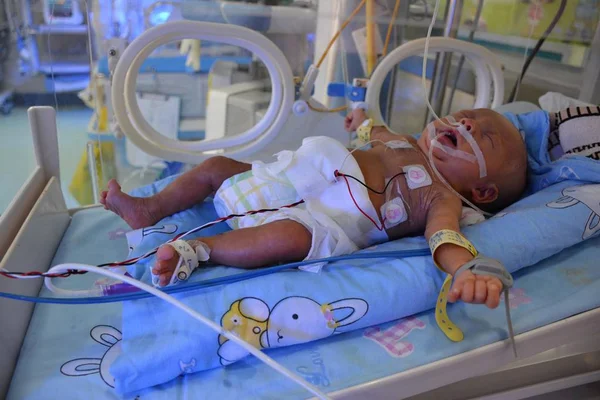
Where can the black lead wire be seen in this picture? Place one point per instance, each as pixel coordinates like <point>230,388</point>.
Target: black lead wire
<point>338,173</point>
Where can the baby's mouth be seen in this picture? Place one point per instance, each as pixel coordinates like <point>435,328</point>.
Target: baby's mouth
<point>448,138</point>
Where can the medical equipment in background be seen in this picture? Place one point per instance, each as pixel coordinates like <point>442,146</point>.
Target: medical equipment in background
<point>20,61</point>
<point>283,108</point>
<point>442,61</point>
<point>247,95</point>
<point>5,52</point>
<point>461,61</point>
<point>160,12</point>
<point>51,41</point>
<point>240,94</point>
<point>62,12</point>
<point>515,91</point>
<point>224,76</point>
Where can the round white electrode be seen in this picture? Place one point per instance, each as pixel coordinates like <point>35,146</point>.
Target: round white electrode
<point>416,174</point>
<point>394,213</point>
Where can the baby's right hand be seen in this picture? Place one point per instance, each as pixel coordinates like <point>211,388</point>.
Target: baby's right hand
<point>354,119</point>
<point>476,289</point>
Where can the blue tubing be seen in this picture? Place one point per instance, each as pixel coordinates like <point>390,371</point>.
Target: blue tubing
<point>216,281</point>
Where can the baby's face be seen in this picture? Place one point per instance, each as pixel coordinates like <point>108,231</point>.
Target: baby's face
<point>494,135</point>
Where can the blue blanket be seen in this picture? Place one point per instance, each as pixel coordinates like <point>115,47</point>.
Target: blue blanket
<point>292,307</point>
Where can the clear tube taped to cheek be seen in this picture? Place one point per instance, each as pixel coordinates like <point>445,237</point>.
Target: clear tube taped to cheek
<point>472,158</point>
<point>447,149</point>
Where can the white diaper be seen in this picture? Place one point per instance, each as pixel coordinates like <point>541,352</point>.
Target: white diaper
<point>329,213</point>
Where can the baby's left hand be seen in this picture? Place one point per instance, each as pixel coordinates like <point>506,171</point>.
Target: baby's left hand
<point>477,289</point>
<point>354,119</point>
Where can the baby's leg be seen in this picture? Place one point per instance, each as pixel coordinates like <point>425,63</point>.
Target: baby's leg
<point>276,242</point>
<point>184,192</point>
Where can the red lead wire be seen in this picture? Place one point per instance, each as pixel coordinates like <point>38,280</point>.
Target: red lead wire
<point>18,275</point>
<point>337,173</point>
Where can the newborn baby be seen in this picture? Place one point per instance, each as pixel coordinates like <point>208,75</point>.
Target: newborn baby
<point>351,200</point>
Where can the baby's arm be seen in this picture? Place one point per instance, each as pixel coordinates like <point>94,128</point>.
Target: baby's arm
<point>444,213</point>
<point>358,116</point>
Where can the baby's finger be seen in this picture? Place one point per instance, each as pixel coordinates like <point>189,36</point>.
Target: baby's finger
<point>468,291</point>
<point>493,295</point>
<point>480,292</point>
<point>456,291</point>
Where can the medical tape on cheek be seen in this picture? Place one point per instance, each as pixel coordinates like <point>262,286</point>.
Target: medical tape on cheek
<point>480,160</point>
<point>430,131</point>
<point>454,152</point>
<point>433,138</point>
<point>469,138</point>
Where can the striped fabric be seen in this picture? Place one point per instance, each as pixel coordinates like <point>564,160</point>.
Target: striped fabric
<point>577,131</point>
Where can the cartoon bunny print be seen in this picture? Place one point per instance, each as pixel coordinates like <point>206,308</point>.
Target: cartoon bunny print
<point>589,195</point>
<point>135,238</point>
<point>292,320</point>
<point>107,336</point>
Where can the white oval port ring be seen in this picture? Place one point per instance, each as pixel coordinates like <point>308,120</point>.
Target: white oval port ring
<point>484,62</point>
<point>139,131</point>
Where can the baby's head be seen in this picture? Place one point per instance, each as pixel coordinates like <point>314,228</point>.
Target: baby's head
<point>503,150</point>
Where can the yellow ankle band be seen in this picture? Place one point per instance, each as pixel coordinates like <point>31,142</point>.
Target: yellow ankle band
<point>364,130</point>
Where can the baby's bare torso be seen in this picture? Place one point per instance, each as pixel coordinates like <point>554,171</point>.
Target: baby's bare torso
<point>380,164</point>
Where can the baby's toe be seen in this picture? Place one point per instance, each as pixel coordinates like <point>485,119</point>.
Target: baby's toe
<point>164,279</point>
<point>165,253</point>
<point>166,261</point>
<point>114,185</point>
<point>162,267</point>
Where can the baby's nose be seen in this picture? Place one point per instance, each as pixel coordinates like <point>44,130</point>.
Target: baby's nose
<point>468,124</point>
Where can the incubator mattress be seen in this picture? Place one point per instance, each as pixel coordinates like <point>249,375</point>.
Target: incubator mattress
<point>69,349</point>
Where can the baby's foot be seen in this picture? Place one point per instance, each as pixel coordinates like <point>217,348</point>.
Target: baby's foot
<point>166,261</point>
<point>134,210</point>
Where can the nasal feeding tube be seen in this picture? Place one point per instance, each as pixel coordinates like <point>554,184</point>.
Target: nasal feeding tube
<point>460,128</point>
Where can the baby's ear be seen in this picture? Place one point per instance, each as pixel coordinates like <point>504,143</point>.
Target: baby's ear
<point>485,193</point>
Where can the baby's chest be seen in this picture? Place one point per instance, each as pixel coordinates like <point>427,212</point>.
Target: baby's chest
<point>411,187</point>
